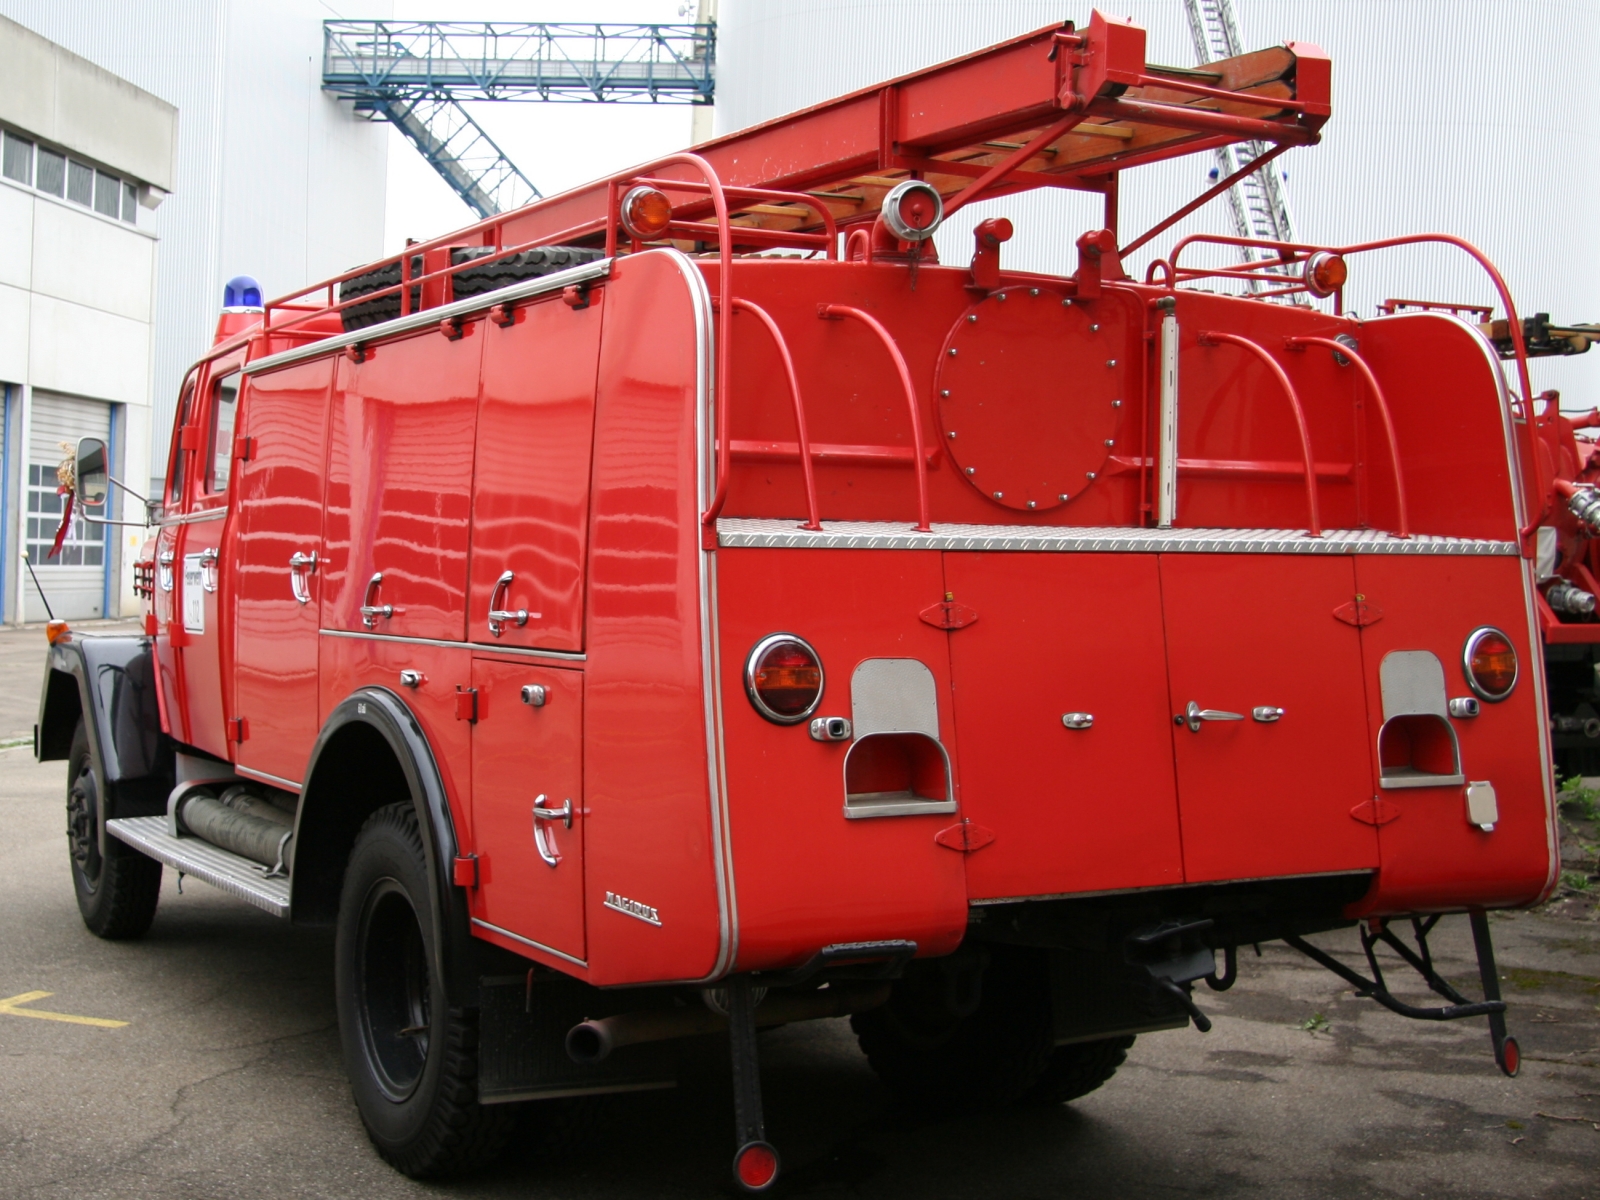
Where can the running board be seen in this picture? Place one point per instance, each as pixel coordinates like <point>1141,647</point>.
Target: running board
<point>233,873</point>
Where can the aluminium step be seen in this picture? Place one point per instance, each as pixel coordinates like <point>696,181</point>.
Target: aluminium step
<point>233,873</point>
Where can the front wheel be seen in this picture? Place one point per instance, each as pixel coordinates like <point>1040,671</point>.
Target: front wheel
<point>117,888</point>
<point>412,1056</point>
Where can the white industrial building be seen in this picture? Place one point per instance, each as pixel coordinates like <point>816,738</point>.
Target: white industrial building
<point>1449,116</point>
<point>270,177</point>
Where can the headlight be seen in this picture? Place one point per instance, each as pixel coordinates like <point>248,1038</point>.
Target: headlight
<point>783,678</point>
<point>1490,663</point>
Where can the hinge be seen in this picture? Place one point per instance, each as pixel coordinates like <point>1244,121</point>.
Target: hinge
<point>189,438</point>
<point>964,836</point>
<point>244,449</point>
<point>466,704</point>
<point>238,729</point>
<point>947,614</point>
<point>464,871</point>
<point>1358,612</point>
<point>1376,811</point>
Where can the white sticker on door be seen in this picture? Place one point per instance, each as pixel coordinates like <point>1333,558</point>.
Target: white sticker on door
<point>194,594</point>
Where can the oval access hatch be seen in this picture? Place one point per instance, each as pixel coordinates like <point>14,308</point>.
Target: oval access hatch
<point>1031,396</point>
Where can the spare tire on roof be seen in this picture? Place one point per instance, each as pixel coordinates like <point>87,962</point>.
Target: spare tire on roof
<point>486,275</point>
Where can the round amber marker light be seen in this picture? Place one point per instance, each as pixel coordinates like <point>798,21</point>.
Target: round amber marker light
<point>646,213</point>
<point>784,679</point>
<point>1491,663</point>
<point>1325,273</point>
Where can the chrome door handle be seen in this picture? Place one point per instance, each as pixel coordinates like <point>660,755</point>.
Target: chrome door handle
<point>164,570</point>
<point>563,814</point>
<point>370,612</point>
<point>499,616</point>
<point>208,568</point>
<point>301,566</point>
<point>1266,713</point>
<point>1193,714</point>
<point>1077,720</point>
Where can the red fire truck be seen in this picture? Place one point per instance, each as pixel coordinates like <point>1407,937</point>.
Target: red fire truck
<point>685,606</point>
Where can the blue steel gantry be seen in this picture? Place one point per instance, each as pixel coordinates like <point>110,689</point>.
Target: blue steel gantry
<point>417,74</point>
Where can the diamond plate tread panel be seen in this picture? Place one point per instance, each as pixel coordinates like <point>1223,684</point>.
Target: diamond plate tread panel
<point>237,876</point>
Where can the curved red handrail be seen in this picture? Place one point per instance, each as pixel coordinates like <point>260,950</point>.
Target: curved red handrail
<point>761,314</point>
<point>1339,348</point>
<point>1211,337</point>
<point>836,312</point>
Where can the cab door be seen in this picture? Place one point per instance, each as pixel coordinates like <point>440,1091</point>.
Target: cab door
<point>530,504</point>
<point>277,558</point>
<point>200,555</point>
<point>527,803</point>
<point>1273,755</point>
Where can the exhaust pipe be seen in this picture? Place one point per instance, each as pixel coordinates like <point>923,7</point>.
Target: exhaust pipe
<point>593,1041</point>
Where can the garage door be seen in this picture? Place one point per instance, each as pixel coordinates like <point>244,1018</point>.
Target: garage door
<point>75,579</point>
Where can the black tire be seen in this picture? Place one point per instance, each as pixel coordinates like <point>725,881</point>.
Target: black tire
<point>1077,1069</point>
<point>937,1063</point>
<point>118,888</point>
<point>411,1053</point>
<point>487,276</point>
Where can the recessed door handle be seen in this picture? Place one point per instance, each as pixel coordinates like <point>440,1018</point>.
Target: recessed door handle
<point>1193,715</point>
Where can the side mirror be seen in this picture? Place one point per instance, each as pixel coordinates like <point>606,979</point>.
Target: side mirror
<point>92,471</point>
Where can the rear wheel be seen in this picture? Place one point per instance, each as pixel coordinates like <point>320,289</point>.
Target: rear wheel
<point>117,887</point>
<point>937,1061</point>
<point>1077,1069</point>
<point>411,1054</point>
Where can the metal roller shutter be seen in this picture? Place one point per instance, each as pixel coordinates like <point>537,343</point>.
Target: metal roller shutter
<point>74,579</point>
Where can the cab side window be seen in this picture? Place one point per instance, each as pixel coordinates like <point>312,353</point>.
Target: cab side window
<point>178,463</point>
<point>224,410</point>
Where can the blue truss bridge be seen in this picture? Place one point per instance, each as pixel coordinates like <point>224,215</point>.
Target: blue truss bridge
<point>418,75</point>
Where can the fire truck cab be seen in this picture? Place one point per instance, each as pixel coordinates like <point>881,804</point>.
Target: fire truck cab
<point>685,605</point>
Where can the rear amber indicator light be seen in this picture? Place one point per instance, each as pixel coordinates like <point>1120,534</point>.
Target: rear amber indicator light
<point>1490,662</point>
<point>783,678</point>
<point>646,213</point>
<point>1325,273</point>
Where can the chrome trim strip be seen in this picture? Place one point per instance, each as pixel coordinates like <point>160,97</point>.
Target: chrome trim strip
<point>517,937</point>
<point>735,532</point>
<point>429,318</point>
<point>710,654</point>
<point>222,869</point>
<point>263,777</point>
<point>194,518</point>
<point>522,651</point>
<point>1164,887</point>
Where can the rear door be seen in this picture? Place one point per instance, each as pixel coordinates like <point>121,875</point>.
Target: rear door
<point>1261,795</point>
<point>1065,740</point>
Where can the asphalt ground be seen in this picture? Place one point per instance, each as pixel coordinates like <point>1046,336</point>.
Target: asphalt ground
<point>226,1080</point>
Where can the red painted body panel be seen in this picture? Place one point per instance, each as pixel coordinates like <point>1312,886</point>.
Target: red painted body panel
<point>805,876</point>
<point>200,652</point>
<point>278,495</point>
<point>400,448</point>
<point>520,753</point>
<point>654,807</point>
<point>530,502</point>
<point>1260,799</point>
<point>1432,858</point>
<point>1073,810</point>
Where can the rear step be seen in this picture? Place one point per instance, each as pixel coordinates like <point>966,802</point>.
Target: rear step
<point>233,873</point>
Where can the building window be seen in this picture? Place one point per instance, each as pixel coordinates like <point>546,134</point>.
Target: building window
<point>18,159</point>
<point>130,203</point>
<point>85,545</point>
<point>107,194</point>
<point>52,172</point>
<point>80,184</point>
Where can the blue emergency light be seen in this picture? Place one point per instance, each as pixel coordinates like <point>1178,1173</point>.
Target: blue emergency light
<point>241,294</point>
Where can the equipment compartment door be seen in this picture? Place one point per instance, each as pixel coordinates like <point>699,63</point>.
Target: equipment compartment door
<point>530,504</point>
<point>1266,796</point>
<point>527,803</point>
<point>1080,807</point>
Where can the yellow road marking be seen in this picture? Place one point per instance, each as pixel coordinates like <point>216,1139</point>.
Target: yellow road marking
<point>11,1007</point>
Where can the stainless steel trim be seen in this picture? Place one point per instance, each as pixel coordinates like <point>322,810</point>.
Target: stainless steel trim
<point>208,568</point>
<point>277,780</point>
<point>831,729</point>
<point>736,532</point>
<point>1167,426</point>
<point>859,809</point>
<point>429,318</point>
<point>1471,644</point>
<point>231,873</point>
<point>194,518</point>
<point>757,702</point>
<point>562,814</point>
<point>517,937</point>
<point>1464,707</point>
<point>521,651</point>
<point>164,576</point>
<point>1077,720</point>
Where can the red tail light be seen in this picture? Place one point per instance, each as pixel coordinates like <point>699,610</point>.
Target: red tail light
<point>1490,662</point>
<point>783,677</point>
